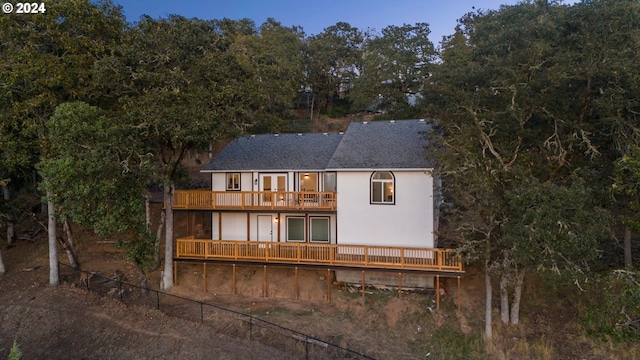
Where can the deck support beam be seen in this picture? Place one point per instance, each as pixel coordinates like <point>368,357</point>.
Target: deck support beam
<point>295,288</point>
<point>399,285</point>
<point>233,279</point>
<point>175,272</point>
<point>264,283</point>
<point>363,284</point>
<point>437,292</point>
<point>204,276</point>
<point>458,293</point>
<point>328,285</point>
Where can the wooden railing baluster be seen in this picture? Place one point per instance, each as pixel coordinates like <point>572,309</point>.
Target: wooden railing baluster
<point>364,256</point>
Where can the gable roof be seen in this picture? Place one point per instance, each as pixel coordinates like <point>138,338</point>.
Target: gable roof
<point>365,145</point>
<point>395,144</point>
<point>308,151</point>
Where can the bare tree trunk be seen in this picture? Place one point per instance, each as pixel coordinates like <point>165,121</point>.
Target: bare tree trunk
<point>156,256</point>
<point>144,288</point>
<point>167,275</point>
<point>10,227</point>
<point>517,294</point>
<point>627,247</point>
<point>488,327</point>
<point>504,298</point>
<point>313,101</point>
<point>1,265</point>
<point>54,274</point>
<point>69,247</point>
<point>147,211</point>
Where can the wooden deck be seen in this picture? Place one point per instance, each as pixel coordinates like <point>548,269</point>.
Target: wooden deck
<point>254,200</point>
<point>355,256</point>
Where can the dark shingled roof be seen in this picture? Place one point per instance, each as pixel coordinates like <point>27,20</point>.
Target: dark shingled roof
<point>373,145</point>
<point>308,151</point>
<point>391,144</point>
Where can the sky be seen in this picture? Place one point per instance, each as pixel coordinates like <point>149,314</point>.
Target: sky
<point>315,16</point>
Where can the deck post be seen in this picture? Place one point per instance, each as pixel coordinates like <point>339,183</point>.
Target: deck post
<point>175,272</point>
<point>295,288</point>
<point>264,283</point>
<point>437,291</point>
<point>458,293</point>
<point>362,284</point>
<point>233,279</point>
<point>204,275</point>
<point>399,285</point>
<point>328,285</point>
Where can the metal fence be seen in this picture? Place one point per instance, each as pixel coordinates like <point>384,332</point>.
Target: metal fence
<point>220,319</point>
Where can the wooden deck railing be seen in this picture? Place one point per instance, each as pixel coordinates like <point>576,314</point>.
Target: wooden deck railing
<point>430,259</point>
<point>254,200</point>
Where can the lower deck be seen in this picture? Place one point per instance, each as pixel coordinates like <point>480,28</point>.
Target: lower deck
<point>434,261</point>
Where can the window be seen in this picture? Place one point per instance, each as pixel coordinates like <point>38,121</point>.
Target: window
<point>295,229</point>
<point>330,181</point>
<point>319,227</point>
<point>233,181</point>
<point>382,187</point>
<point>308,181</point>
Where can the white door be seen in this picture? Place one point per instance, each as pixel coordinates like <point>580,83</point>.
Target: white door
<point>273,186</point>
<point>265,228</point>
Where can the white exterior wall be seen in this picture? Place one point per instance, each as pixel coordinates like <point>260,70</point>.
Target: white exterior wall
<point>409,222</point>
<point>219,181</point>
<point>234,225</point>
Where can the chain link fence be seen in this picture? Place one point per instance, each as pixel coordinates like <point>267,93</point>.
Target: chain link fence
<point>220,319</point>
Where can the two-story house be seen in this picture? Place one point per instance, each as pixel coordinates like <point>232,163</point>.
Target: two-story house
<point>365,198</point>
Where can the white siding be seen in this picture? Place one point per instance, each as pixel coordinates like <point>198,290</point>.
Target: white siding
<point>234,225</point>
<point>408,222</point>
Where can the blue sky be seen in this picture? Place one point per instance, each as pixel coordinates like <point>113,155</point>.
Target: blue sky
<point>315,16</point>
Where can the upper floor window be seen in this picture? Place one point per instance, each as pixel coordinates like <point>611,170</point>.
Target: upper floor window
<point>233,181</point>
<point>382,188</point>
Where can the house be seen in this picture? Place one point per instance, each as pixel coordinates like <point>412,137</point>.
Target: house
<point>365,198</point>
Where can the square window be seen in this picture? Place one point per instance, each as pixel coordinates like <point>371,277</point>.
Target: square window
<point>319,229</point>
<point>233,181</point>
<point>295,229</point>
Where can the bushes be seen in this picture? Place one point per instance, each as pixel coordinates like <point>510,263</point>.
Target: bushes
<point>613,306</point>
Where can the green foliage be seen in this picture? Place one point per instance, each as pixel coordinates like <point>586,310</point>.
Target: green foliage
<point>612,306</point>
<point>448,344</point>
<point>553,227</point>
<point>395,65</point>
<point>44,61</point>
<point>97,175</point>
<point>524,108</point>
<point>15,353</point>
<point>626,187</point>
<point>332,60</point>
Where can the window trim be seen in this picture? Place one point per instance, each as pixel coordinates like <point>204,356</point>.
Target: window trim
<point>383,182</point>
<point>238,184</point>
<point>328,241</point>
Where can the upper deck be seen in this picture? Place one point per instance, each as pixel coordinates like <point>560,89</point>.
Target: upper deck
<point>255,200</point>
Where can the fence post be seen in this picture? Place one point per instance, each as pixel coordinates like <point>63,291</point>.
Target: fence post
<point>306,347</point>
<point>158,299</point>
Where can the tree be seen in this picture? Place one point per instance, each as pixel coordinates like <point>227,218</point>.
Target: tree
<point>332,61</point>
<point>97,177</point>
<point>524,110</point>
<point>271,72</point>
<point>626,189</point>
<point>396,66</point>
<point>174,82</point>
<point>47,60</point>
